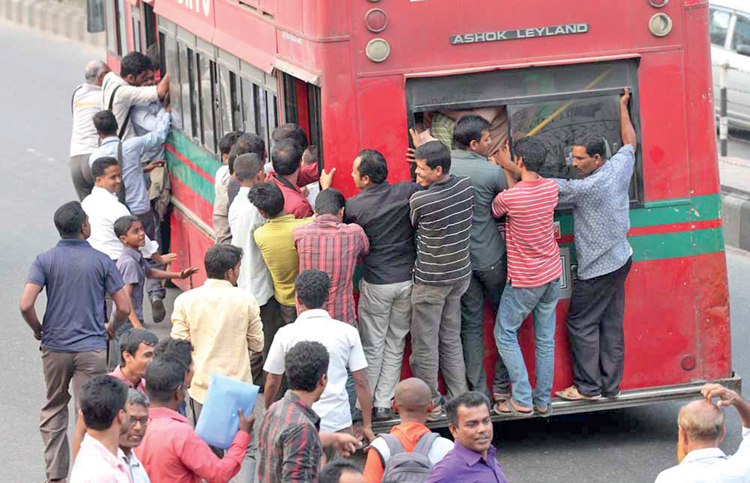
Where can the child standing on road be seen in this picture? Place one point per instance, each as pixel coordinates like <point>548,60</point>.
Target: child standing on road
<point>534,271</point>
<point>134,269</point>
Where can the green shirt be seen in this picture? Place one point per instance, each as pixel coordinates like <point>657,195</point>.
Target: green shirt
<point>488,179</point>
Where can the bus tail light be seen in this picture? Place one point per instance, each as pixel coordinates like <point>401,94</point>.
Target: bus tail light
<point>377,50</point>
<point>376,20</point>
<point>658,3</point>
<point>660,24</point>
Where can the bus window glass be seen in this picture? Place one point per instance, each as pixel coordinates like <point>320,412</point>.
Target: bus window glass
<point>225,99</point>
<point>236,101</point>
<point>719,27</point>
<point>162,53</point>
<point>136,16</point>
<point>316,124</point>
<point>289,85</point>
<point>261,115</point>
<point>560,124</point>
<point>741,34</point>
<point>273,111</point>
<point>206,80</point>
<point>122,35</point>
<point>112,31</point>
<point>150,24</point>
<point>187,59</point>
<point>173,67</point>
<point>248,107</point>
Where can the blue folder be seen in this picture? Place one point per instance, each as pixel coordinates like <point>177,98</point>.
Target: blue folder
<point>219,420</point>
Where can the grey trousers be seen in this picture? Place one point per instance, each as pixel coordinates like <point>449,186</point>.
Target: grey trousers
<point>247,469</point>
<point>60,369</point>
<point>80,173</point>
<point>436,337</point>
<point>384,321</point>
<point>154,287</point>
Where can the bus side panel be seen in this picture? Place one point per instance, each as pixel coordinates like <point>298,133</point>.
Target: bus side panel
<point>180,244</point>
<point>199,245</point>
<point>712,315</point>
<point>704,169</point>
<point>663,133</point>
<point>384,125</point>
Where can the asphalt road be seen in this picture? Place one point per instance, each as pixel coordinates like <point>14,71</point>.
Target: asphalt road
<point>630,445</point>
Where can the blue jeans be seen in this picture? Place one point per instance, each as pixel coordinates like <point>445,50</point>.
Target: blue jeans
<point>515,305</point>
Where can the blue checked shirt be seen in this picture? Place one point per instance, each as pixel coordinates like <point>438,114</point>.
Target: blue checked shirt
<point>601,214</point>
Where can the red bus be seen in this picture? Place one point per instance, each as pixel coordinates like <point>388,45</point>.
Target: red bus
<point>358,74</point>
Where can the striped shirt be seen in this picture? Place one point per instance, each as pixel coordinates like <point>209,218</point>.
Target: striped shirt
<point>289,445</point>
<point>443,216</point>
<point>331,246</point>
<point>533,254</point>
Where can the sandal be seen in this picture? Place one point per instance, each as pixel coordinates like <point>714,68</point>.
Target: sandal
<point>510,407</point>
<point>500,396</point>
<point>572,394</point>
<point>546,413</point>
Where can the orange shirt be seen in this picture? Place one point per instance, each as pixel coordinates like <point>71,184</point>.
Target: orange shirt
<point>408,435</point>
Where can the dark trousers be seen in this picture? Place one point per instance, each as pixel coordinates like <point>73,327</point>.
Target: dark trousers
<point>270,317</point>
<point>154,287</point>
<point>486,285</point>
<point>597,339</point>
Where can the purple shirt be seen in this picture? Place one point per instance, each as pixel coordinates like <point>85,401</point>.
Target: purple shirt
<point>462,465</point>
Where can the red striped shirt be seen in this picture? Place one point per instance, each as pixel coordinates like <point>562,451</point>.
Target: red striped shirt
<point>333,247</point>
<point>533,253</point>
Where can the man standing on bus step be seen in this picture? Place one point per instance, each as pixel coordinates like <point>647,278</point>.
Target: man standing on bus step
<point>73,332</point>
<point>121,92</point>
<point>601,216</point>
<point>135,193</point>
<point>87,101</point>
<point>286,158</point>
<point>275,240</point>
<point>442,218</point>
<point>254,278</point>
<point>331,246</point>
<point>247,143</point>
<point>221,185</point>
<point>382,210</point>
<point>472,142</point>
<point>290,130</point>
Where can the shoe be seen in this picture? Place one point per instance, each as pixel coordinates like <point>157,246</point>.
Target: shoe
<point>437,412</point>
<point>157,310</point>
<point>382,414</point>
<point>612,396</point>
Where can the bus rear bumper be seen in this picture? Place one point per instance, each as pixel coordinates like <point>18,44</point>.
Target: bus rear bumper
<point>628,399</point>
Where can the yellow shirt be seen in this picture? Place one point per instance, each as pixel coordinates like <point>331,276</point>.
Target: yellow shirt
<point>223,323</point>
<point>276,242</point>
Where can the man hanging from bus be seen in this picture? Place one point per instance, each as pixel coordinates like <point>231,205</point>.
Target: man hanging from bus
<point>601,216</point>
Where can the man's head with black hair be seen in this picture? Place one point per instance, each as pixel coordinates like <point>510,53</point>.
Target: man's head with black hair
<point>306,367</point>
<point>290,131</point>
<point>103,403</point>
<point>105,124</point>
<point>223,262</point>
<point>71,221</point>
<point>532,152</point>
<point>107,174</point>
<point>469,421</point>
<point>368,168</point>
<point>268,198</point>
<point>330,202</point>
<point>248,169</point>
<point>433,161</point>
<point>135,68</point>
<point>248,143</point>
<point>129,230</point>
<point>137,351</point>
<point>227,142</point>
<point>165,382</point>
<point>312,288</point>
<point>341,471</point>
<point>179,351</point>
<point>472,133</point>
<point>589,153</point>
<point>310,155</point>
<point>286,157</point>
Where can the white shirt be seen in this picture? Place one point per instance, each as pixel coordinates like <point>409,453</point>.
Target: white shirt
<point>103,209</point>
<point>137,471</point>
<point>711,465</point>
<point>87,101</point>
<point>145,119</point>
<point>345,351</point>
<point>244,218</point>
<point>221,186</point>
<point>126,97</point>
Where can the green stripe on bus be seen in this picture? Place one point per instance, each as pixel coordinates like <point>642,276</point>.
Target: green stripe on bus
<point>197,155</point>
<point>676,245</point>
<point>189,177</point>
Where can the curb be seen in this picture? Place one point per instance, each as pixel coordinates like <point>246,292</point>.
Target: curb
<point>736,208</point>
<point>63,20</point>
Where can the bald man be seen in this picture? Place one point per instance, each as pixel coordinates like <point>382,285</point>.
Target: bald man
<point>413,402</point>
<point>86,101</point>
<point>700,431</point>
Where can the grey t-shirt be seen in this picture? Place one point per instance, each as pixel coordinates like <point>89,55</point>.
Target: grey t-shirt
<point>488,179</point>
<point>133,269</point>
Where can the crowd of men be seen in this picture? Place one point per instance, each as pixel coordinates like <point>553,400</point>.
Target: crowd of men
<point>277,308</point>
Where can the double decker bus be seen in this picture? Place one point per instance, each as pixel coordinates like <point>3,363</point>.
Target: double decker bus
<point>359,73</point>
